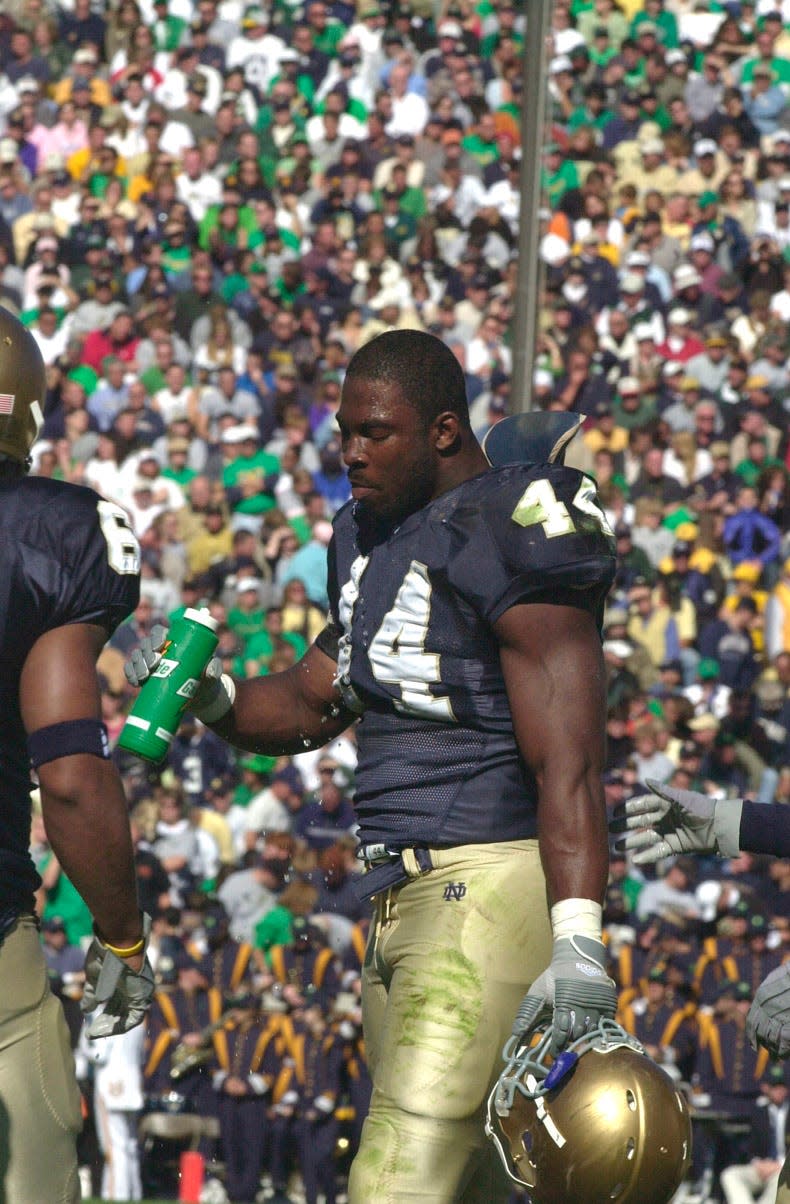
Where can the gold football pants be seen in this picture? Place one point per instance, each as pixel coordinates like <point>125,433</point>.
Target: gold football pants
<point>450,956</point>
<point>39,1098</point>
<point>783,1191</point>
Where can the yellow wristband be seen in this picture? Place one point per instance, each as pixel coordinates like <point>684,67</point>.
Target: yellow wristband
<point>132,951</point>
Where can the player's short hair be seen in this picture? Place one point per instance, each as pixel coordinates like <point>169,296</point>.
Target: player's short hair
<point>421,365</point>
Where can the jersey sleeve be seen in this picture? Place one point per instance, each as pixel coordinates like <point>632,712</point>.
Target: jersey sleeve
<point>100,558</point>
<point>535,534</point>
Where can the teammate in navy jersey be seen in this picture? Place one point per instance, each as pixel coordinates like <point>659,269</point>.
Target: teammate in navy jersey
<point>69,573</point>
<point>670,821</point>
<point>464,637</point>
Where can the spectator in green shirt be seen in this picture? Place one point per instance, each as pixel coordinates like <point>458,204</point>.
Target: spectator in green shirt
<point>176,469</point>
<point>229,226</point>
<point>247,470</point>
<point>655,12</point>
<point>594,111</point>
<point>263,644</point>
<point>247,617</point>
<point>276,928</point>
<point>558,175</point>
<point>481,141</point>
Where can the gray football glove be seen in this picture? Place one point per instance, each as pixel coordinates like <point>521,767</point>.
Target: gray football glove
<point>144,659</point>
<point>575,991</point>
<point>670,821</point>
<point>122,993</point>
<point>214,695</point>
<point>768,1022</point>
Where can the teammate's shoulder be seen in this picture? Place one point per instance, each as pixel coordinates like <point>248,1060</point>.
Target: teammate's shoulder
<point>44,491</point>
<point>32,501</point>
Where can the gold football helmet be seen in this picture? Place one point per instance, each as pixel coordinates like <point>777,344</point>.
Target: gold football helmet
<point>23,388</point>
<point>601,1124</point>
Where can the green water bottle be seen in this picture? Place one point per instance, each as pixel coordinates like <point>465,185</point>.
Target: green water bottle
<point>156,715</point>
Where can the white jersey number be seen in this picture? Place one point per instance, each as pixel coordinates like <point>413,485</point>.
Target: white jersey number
<point>123,550</point>
<point>397,653</point>
<point>539,504</point>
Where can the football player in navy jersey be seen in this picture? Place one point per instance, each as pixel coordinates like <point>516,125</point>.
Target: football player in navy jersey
<point>464,637</point>
<point>670,821</point>
<point>69,573</point>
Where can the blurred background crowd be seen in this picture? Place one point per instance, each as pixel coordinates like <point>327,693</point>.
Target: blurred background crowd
<point>205,208</point>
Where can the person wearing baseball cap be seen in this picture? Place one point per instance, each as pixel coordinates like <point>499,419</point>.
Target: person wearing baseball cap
<point>706,171</point>
<point>702,252</point>
<point>710,366</point>
<point>681,342</point>
<point>632,408</point>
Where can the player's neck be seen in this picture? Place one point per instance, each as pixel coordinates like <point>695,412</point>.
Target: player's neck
<point>468,463</point>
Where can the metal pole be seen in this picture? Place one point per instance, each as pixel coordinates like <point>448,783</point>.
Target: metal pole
<point>533,119</point>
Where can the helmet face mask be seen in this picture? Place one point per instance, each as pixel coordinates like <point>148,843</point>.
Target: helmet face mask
<point>602,1124</point>
<point>23,388</point>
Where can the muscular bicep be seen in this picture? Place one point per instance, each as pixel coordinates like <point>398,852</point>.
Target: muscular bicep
<point>59,680</point>
<point>555,678</point>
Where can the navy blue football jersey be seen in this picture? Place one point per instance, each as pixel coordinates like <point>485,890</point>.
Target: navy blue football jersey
<point>438,762</point>
<point>66,556</point>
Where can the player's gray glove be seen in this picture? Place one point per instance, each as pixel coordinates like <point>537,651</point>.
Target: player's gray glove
<point>768,1022</point>
<point>575,991</point>
<point>670,821</point>
<point>122,993</point>
<point>144,659</point>
<point>213,697</point>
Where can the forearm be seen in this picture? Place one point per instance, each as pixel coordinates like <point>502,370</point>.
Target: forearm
<point>87,824</point>
<point>553,667</point>
<point>764,828</point>
<point>287,712</point>
<point>573,835</point>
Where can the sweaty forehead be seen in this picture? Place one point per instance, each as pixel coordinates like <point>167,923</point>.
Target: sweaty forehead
<point>366,400</point>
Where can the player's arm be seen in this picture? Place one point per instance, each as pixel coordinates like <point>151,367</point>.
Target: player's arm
<point>554,674</point>
<point>86,819</point>
<point>670,821</point>
<point>287,712</point>
<point>283,713</point>
<point>82,797</point>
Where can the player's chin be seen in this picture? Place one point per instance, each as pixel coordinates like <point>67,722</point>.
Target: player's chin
<point>372,505</point>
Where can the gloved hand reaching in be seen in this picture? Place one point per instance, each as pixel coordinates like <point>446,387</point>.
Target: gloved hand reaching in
<point>671,821</point>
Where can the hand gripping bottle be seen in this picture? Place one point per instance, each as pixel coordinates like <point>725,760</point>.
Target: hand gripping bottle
<point>156,715</point>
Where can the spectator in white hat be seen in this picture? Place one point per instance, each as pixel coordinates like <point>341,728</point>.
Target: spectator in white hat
<point>707,170</point>
<point>681,342</point>
<point>702,252</point>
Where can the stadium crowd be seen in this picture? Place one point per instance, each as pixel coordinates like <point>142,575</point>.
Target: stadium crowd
<point>205,209</point>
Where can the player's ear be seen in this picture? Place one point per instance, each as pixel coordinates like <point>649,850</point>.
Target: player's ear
<point>447,432</point>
